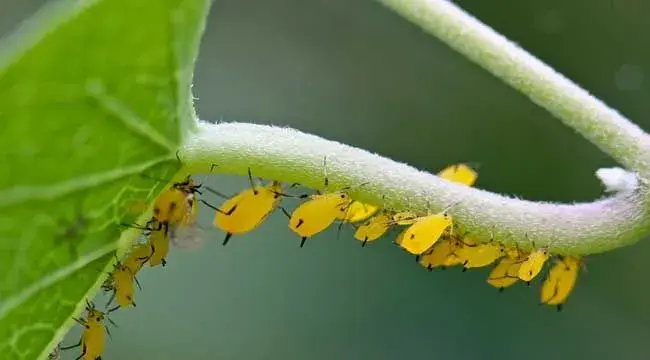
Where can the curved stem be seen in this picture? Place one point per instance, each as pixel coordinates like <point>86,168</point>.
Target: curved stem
<point>602,125</point>
<point>291,156</point>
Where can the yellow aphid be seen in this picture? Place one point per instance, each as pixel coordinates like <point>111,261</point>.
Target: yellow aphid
<point>138,256</point>
<point>317,213</point>
<point>439,254</point>
<point>505,274</point>
<point>124,286</point>
<point>358,211</point>
<point>92,338</point>
<point>533,264</point>
<point>175,204</point>
<point>480,255</point>
<point>247,210</point>
<point>424,233</point>
<point>374,228</point>
<point>560,281</point>
<point>158,239</point>
<point>404,218</point>
<point>459,173</point>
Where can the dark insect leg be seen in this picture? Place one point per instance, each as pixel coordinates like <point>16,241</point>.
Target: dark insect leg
<point>71,346</point>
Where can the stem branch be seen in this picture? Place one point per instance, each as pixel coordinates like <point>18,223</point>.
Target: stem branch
<point>603,126</point>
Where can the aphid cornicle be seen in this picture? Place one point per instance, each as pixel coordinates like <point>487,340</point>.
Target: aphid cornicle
<point>319,211</point>
<point>560,281</point>
<point>92,339</point>
<point>245,211</point>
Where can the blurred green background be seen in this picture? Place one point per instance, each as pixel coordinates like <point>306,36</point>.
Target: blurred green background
<point>352,71</point>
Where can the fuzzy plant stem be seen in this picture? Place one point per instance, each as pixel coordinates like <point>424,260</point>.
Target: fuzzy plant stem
<point>600,124</point>
<point>291,156</point>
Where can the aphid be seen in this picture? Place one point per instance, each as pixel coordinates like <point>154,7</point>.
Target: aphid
<point>158,239</point>
<point>424,233</point>
<point>533,264</point>
<point>480,254</point>
<point>437,257</point>
<point>138,256</point>
<point>374,228</point>
<point>177,205</point>
<point>505,274</point>
<point>560,281</point>
<point>459,173</point>
<point>404,218</point>
<point>248,209</point>
<point>358,211</point>
<point>92,339</point>
<point>123,286</point>
<point>319,212</point>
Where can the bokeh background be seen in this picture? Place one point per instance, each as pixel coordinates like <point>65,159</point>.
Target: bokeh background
<point>352,71</point>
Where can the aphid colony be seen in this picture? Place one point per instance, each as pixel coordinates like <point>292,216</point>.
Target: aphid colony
<point>431,238</point>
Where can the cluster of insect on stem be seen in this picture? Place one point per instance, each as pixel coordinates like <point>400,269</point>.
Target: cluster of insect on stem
<point>432,238</point>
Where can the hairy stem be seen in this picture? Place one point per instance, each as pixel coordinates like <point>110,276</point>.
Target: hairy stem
<point>291,156</point>
<point>605,127</point>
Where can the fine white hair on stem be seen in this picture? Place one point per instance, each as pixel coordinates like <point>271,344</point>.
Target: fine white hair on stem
<point>292,156</point>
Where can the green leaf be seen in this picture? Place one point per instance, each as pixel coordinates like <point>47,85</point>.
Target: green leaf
<point>92,95</point>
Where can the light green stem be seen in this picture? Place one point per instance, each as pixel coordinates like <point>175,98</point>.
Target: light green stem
<point>605,127</point>
<point>291,156</point>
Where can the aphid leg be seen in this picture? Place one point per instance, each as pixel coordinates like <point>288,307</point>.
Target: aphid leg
<point>213,166</point>
<point>71,346</point>
<point>226,239</point>
<point>501,289</point>
<point>163,262</point>
<point>338,230</point>
<point>327,182</point>
<point>302,241</point>
<point>285,212</point>
<point>113,309</point>
<point>83,353</point>
<point>137,283</point>
<point>250,180</point>
<point>111,322</point>
<point>216,208</point>
<point>111,300</point>
<point>365,241</point>
<point>559,307</point>
<point>417,258</point>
